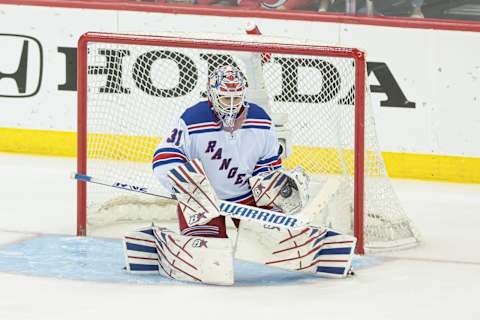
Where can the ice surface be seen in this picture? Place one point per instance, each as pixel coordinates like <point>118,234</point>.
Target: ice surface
<point>96,259</point>
<point>45,273</point>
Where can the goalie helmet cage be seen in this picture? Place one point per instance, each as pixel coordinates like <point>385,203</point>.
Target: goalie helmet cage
<point>127,82</point>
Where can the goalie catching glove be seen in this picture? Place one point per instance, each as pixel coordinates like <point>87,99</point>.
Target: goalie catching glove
<point>286,190</point>
<point>194,193</point>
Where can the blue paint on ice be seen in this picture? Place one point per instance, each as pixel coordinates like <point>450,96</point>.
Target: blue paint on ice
<point>94,259</point>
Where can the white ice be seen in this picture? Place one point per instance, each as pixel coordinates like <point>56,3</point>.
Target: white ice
<point>438,280</point>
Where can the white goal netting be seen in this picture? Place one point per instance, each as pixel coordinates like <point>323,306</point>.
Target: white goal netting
<point>136,92</point>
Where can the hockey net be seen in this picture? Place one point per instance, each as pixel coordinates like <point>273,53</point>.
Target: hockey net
<point>132,89</point>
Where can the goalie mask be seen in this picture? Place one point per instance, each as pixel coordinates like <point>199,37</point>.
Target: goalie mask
<point>226,91</point>
<point>286,190</point>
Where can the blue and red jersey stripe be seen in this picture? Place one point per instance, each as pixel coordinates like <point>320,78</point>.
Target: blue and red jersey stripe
<point>267,165</point>
<point>168,155</point>
<point>204,127</point>
<point>257,124</point>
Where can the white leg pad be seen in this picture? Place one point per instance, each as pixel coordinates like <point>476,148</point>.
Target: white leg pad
<point>185,258</point>
<point>141,252</point>
<point>313,249</point>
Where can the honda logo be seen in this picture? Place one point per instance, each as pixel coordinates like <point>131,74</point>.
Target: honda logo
<point>21,66</point>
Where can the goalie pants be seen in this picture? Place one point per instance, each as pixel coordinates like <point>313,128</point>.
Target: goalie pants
<point>216,228</point>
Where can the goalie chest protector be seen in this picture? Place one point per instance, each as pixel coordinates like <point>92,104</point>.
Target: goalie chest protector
<point>229,159</point>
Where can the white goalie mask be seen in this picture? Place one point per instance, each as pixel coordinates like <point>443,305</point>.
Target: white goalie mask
<point>226,91</point>
<point>286,190</point>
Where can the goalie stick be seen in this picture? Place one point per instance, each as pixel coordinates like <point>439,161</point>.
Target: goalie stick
<point>228,209</point>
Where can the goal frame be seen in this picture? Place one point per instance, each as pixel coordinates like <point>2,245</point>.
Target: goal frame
<point>181,42</point>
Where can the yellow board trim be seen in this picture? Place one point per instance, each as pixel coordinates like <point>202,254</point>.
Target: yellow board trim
<point>123,145</point>
<point>38,142</point>
<point>432,167</point>
<point>399,165</point>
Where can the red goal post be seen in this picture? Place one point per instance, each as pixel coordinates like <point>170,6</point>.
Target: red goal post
<point>209,44</point>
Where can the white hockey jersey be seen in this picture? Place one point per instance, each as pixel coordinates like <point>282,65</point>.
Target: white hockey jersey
<point>229,159</point>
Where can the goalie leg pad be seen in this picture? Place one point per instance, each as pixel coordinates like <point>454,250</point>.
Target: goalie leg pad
<point>194,259</point>
<point>179,257</point>
<point>141,252</point>
<point>313,249</point>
